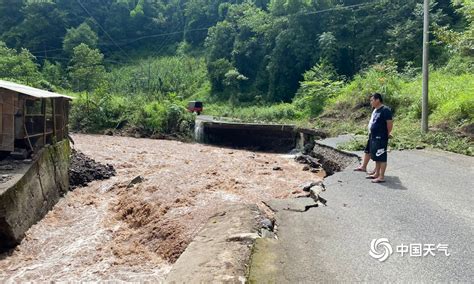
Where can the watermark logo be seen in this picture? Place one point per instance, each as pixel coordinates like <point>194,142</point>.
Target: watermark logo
<point>380,249</point>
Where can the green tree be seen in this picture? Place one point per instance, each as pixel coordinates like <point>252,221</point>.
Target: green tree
<point>42,28</point>
<point>320,84</point>
<point>18,66</point>
<point>328,45</point>
<point>10,14</point>
<point>85,69</point>
<point>217,70</point>
<point>460,42</point>
<point>53,73</point>
<point>233,80</point>
<point>82,34</point>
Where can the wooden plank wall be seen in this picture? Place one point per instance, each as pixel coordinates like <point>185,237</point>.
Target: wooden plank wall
<point>8,107</point>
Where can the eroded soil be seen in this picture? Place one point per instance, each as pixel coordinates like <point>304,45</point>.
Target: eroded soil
<point>115,230</point>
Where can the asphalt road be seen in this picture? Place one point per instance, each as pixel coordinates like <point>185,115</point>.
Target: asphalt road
<point>427,199</point>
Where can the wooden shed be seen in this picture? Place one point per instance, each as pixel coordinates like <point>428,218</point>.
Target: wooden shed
<point>31,118</point>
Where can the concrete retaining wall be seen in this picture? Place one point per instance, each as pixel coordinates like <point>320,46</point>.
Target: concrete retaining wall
<point>260,137</point>
<point>37,188</point>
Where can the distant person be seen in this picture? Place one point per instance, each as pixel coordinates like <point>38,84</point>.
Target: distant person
<point>380,126</point>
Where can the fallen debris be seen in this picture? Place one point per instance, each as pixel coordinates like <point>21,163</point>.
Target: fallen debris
<point>5,178</point>
<point>266,224</point>
<point>308,185</point>
<point>84,170</point>
<point>306,159</point>
<point>137,179</point>
<point>311,164</point>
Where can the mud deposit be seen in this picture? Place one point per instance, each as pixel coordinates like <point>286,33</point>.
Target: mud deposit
<point>84,170</point>
<point>116,229</point>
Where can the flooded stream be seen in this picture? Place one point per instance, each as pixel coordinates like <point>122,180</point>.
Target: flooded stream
<point>113,230</point>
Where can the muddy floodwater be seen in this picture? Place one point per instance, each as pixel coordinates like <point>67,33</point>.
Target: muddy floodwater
<point>113,230</point>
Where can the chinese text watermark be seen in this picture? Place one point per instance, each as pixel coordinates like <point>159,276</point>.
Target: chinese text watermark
<point>381,249</point>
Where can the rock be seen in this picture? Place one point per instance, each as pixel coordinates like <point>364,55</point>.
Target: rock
<point>419,147</point>
<point>5,178</point>
<point>267,224</point>
<point>308,185</point>
<point>315,191</point>
<point>267,234</point>
<point>305,159</point>
<point>277,169</point>
<point>137,179</point>
<point>307,148</point>
<point>243,237</point>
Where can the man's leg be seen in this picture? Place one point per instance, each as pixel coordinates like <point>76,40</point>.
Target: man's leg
<point>382,164</point>
<point>381,176</point>
<point>366,159</point>
<point>376,172</point>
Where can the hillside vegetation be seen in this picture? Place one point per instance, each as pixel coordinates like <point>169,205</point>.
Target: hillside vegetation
<point>134,64</point>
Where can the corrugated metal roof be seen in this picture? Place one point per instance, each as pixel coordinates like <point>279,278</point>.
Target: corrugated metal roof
<point>30,91</point>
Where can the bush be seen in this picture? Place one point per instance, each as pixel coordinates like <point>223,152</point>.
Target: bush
<point>98,112</point>
<point>93,113</point>
<point>273,113</point>
<point>166,118</point>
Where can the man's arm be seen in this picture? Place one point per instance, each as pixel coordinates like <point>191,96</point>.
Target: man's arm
<point>389,126</point>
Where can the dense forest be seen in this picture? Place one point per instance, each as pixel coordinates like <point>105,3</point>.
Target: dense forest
<point>306,61</point>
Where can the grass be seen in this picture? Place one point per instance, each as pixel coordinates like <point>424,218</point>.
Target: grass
<point>407,136</point>
<point>278,113</point>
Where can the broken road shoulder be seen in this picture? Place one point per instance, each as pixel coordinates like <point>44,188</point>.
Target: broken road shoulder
<point>221,250</point>
<point>264,258</point>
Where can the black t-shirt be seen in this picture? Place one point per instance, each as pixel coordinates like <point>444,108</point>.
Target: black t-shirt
<point>379,126</point>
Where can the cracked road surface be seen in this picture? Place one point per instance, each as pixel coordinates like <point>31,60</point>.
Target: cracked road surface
<point>427,199</point>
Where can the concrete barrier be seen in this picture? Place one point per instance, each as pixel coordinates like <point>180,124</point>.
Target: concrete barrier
<point>34,189</point>
<point>255,136</point>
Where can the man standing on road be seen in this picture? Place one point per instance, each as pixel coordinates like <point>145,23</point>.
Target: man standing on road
<point>380,127</point>
<point>366,159</point>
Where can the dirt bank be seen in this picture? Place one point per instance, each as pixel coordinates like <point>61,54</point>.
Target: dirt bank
<point>83,170</point>
<point>114,229</point>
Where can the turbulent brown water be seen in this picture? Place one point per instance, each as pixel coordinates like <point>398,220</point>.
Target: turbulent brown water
<point>114,230</point>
